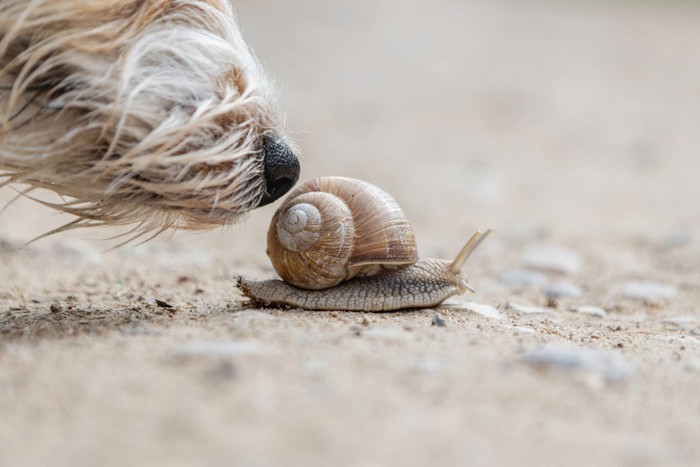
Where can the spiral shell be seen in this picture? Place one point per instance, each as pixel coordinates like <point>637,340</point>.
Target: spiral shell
<point>333,228</point>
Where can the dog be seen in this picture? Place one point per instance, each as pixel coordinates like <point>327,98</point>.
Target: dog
<point>153,112</point>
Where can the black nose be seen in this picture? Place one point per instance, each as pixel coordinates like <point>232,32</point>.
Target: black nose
<point>281,169</point>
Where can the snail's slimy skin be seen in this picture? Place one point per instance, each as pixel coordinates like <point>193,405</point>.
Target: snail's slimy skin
<point>425,284</point>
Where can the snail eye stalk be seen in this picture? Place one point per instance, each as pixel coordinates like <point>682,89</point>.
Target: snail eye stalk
<point>467,250</point>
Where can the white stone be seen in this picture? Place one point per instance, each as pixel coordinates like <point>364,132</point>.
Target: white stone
<point>527,309</point>
<point>591,310</point>
<point>648,291</point>
<point>554,258</point>
<point>562,290</point>
<point>518,278</point>
<point>486,311</point>
<point>610,367</point>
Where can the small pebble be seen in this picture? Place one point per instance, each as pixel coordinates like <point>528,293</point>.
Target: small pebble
<point>486,311</point>
<point>438,321</point>
<point>562,290</point>
<point>163,304</point>
<point>648,291</point>
<point>553,258</point>
<point>591,310</point>
<point>610,367</point>
<point>518,278</point>
<point>529,310</point>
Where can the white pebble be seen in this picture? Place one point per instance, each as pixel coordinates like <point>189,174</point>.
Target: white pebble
<point>648,291</point>
<point>564,358</point>
<point>552,258</point>
<point>486,311</point>
<point>591,310</point>
<point>527,309</point>
<point>523,278</point>
<point>562,290</point>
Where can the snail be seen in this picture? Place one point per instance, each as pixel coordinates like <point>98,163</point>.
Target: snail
<point>344,244</point>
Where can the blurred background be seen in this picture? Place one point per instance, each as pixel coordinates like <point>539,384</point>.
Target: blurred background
<point>578,116</point>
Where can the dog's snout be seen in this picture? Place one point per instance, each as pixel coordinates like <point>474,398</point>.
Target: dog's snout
<point>281,168</point>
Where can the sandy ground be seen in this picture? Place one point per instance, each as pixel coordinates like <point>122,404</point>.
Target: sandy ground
<point>570,128</point>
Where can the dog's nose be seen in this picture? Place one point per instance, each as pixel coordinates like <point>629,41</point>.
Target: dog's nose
<point>281,168</point>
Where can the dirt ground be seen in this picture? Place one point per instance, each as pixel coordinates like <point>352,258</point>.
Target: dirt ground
<point>570,128</point>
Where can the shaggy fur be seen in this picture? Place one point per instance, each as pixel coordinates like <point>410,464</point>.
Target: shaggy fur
<point>146,111</point>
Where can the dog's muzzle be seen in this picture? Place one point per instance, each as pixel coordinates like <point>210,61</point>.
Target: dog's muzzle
<point>281,169</point>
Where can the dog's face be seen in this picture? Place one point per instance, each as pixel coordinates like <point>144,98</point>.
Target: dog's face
<point>152,112</point>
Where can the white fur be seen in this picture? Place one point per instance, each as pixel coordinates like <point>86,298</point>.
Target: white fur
<point>139,111</point>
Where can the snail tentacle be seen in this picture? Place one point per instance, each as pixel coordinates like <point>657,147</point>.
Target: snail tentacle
<point>467,250</point>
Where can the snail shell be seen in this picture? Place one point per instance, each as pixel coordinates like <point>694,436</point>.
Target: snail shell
<point>331,229</point>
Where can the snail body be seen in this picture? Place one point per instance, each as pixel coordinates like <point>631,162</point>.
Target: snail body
<point>344,244</point>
